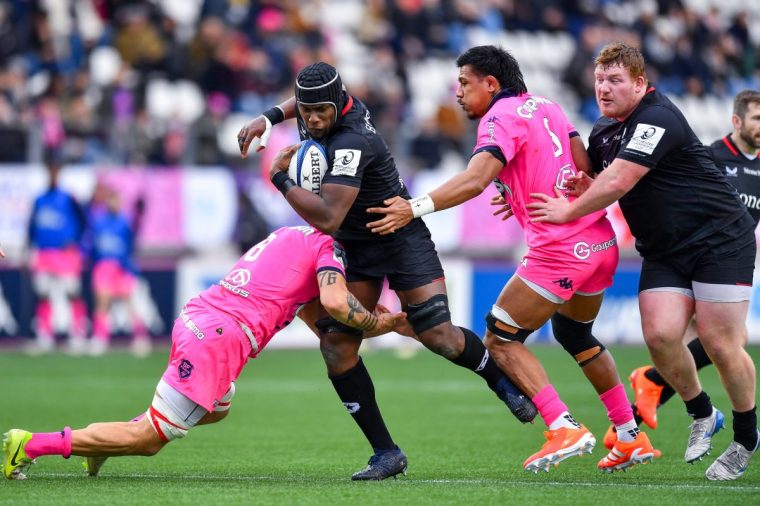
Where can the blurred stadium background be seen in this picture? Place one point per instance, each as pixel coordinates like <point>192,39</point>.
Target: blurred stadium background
<point>149,95</point>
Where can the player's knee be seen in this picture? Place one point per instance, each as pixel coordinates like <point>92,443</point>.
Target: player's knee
<point>224,404</point>
<point>329,326</point>
<point>166,422</point>
<point>501,326</point>
<point>443,340</point>
<point>429,314</point>
<point>576,338</point>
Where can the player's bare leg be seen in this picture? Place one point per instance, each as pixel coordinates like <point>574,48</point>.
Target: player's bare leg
<point>723,333</point>
<point>520,310</point>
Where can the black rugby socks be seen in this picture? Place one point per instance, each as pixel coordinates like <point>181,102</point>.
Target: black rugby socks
<point>745,428</point>
<point>355,389</point>
<point>476,358</point>
<point>700,406</point>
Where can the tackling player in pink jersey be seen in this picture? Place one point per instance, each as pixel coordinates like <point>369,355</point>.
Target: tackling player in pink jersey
<point>212,340</point>
<point>525,142</point>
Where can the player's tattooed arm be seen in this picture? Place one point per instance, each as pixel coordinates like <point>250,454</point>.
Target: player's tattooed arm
<point>352,313</point>
<point>358,316</point>
<point>346,308</point>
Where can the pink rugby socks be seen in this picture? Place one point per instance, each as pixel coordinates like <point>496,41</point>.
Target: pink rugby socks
<point>549,405</point>
<point>49,443</point>
<point>100,327</point>
<point>620,413</point>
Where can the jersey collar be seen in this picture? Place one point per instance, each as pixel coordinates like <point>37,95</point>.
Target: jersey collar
<point>730,145</point>
<point>349,105</point>
<point>501,94</point>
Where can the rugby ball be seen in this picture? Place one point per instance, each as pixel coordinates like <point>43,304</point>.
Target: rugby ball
<point>308,166</point>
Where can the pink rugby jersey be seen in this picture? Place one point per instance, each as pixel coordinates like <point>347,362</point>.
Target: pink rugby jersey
<point>266,287</point>
<point>533,136</point>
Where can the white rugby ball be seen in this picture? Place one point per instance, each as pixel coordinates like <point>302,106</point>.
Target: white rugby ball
<point>308,166</point>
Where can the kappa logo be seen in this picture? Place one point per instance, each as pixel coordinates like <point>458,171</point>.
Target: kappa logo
<point>238,277</point>
<point>185,369</point>
<point>352,407</point>
<point>564,283</point>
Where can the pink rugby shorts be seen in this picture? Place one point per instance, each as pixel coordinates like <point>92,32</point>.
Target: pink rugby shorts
<point>582,263</point>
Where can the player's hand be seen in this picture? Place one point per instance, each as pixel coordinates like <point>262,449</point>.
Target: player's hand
<point>549,210</point>
<point>258,128</point>
<point>577,184</point>
<point>282,160</point>
<point>398,213</point>
<point>504,208</point>
<point>386,322</point>
<point>402,326</point>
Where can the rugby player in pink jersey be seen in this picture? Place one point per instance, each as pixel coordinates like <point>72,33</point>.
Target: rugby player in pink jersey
<point>212,340</point>
<point>524,143</point>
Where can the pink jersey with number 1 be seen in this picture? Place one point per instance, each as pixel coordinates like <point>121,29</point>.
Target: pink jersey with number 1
<point>531,134</point>
<point>273,279</point>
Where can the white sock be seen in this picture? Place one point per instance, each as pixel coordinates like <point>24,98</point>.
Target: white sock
<point>564,420</point>
<point>628,431</point>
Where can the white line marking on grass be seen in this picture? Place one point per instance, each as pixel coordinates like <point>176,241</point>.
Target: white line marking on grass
<point>515,483</point>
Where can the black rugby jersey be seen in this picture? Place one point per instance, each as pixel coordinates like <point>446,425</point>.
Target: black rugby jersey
<point>743,173</point>
<point>684,199</point>
<point>358,156</point>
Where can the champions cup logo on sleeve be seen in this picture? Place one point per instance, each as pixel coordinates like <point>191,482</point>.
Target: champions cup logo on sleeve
<point>236,279</point>
<point>346,162</point>
<point>646,138</point>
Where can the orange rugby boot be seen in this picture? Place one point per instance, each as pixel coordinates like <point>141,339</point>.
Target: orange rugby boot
<point>561,444</point>
<point>627,454</point>
<point>647,395</point>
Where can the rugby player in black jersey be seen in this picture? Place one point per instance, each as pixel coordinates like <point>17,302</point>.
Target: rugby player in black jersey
<point>362,174</point>
<point>696,239</point>
<point>736,155</point>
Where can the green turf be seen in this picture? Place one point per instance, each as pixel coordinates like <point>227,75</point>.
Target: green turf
<point>289,441</point>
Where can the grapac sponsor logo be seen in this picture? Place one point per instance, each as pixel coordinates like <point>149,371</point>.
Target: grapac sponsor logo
<point>646,138</point>
<point>235,280</point>
<point>582,250</point>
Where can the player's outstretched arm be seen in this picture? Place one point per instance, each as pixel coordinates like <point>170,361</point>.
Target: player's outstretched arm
<point>344,307</point>
<point>260,127</point>
<point>481,170</point>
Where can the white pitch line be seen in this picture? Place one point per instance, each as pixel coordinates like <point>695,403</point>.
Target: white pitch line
<point>514,483</point>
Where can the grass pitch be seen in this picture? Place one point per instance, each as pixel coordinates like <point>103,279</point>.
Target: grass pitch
<point>288,440</point>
